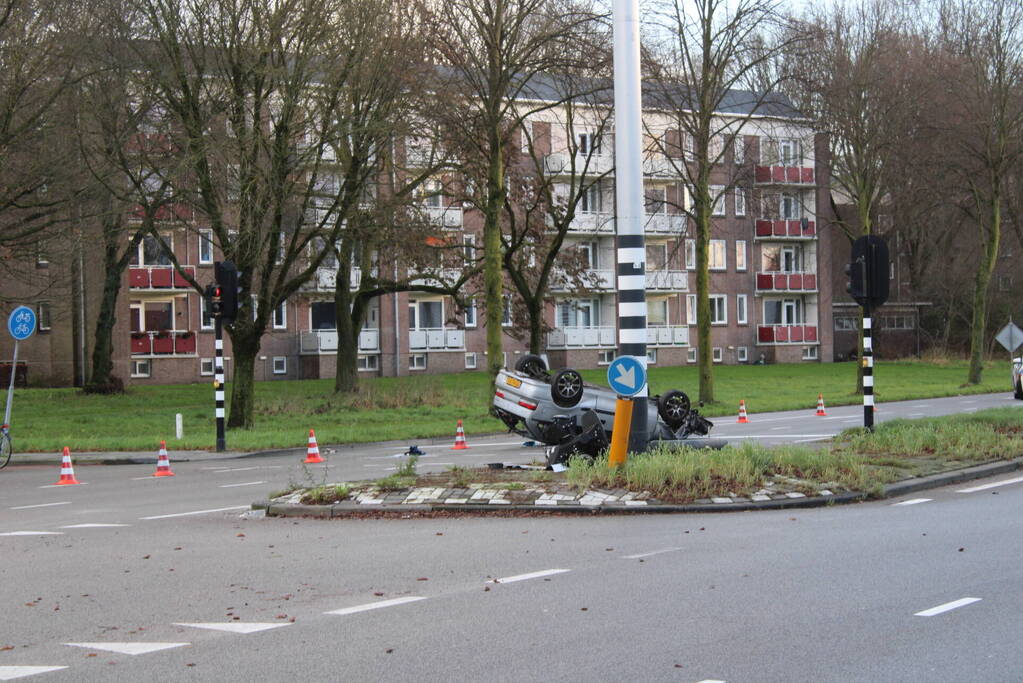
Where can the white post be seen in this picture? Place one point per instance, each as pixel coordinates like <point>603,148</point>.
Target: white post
<point>179,426</point>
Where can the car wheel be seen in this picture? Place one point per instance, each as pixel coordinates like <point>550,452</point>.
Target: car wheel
<point>567,388</point>
<point>532,366</point>
<point>673,407</point>
<point>1018,389</point>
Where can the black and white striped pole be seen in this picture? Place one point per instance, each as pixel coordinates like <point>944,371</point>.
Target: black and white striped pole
<point>868,371</point>
<point>218,377</point>
<point>868,273</point>
<point>631,245</point>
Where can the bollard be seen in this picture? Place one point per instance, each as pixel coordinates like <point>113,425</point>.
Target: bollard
<point>179,427</point>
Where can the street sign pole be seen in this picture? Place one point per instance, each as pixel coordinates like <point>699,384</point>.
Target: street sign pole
<point>20,324</point>
<point>10,387</point>
<point>868,371</point>
<point>626,376</point>
<point>218,381</point>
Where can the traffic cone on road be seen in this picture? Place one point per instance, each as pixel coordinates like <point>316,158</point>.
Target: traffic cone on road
<point>460,444</point>
<point>163,462</point>
<point>820,405</point>
<point>312,453</point>
<point>67,470</point>
<point>742,412</point>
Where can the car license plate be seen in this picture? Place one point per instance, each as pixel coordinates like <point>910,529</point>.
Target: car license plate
<point>513,382</point>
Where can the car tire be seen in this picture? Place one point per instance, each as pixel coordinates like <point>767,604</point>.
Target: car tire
<point>1018,389</point>
<point>673,407</point>
<point>567,388</point>
<point>532,366</point>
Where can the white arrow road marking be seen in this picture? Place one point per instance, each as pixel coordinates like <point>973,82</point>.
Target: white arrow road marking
<point>375,605</point>
<point>531,575</point>
<point>9,673</point>
<point>627,377</point>
<point>948,606</point>
<point>655,552</point>
<point>198,512</point>
<point>913,501</point>
<point>40,505</point>
<point>985,487</point>
<point>92,526</point>
<point>33,533</point>
<point>248,483</point>
<point>129,648</point>
<point>235,626</point>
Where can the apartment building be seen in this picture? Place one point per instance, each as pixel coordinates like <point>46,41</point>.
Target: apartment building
<point>770,276</point>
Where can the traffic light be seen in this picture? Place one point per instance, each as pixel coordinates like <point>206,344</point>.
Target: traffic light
<point>226,276</point>
<point>868,272</point>
<point>213,296</point>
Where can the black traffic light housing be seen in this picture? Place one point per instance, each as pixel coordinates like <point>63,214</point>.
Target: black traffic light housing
<point>868,271</point>
<point>226,275</point>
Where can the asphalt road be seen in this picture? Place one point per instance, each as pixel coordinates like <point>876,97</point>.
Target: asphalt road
<point>127,563</point>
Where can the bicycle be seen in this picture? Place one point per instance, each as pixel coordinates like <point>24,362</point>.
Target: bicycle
<point>5,446</point>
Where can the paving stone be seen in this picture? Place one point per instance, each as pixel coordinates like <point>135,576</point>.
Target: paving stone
<point>720,500</point>
<point>499,501</point>
<point>702,501</point>
<point>477,494</point>
<point>635,502</point>
<point>778,496</point>
<point>759,497</point>
<point>795,494</point>
<point>568,502</point>
<point>739,499</point>
<point>825,492</point>
<point>545,501</point>
<point>456,501</point>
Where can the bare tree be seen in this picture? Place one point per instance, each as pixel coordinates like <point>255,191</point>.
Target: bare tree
<point>708,64</point>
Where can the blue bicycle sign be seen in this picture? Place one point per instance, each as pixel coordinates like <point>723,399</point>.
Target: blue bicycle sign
<point>21,323</point>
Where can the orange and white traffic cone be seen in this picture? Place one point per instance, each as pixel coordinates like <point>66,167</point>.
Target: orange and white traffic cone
<point>460,444</point>
<point>67,470</point>
<point>312,453</point>
<point>742,412</point>
<point>163,462</point>
<point>820,405</point>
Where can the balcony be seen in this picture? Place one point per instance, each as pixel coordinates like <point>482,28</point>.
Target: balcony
<point>661,223</point>
<point>581,338</point>
<point>559,164</point>
<point>158,277</point>
<point>786,282</point>
<point>667,280</point>
<point>164,214</point>
<point>786,334</point>
<point>164,343</point>
<point>667,335</point>
<point>662,167</point>
<point>436,339</point>
<point>783,175</point>
<point>785,229</point>
<point>590,222</point>
<point>317,342</point>
<point>325,279</point>
<point>445,216</point>
<point>594,280</point>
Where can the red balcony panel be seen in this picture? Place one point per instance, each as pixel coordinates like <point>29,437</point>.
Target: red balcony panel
<point>764,281</point>
<point>779,228</point>
<point>778,174</point>
<point>161,277</point>
<point>184,343</point>
<point>796,281</point>
<point>163,344</point>
<point>792,174</point>
<point>763,228</point>
<point>810,333</point>
<point>781,333</point>
<point>781,281</point>
<point>810,281</point>
<point>179,279</point>
<point>806,175</point>
<point>796,333</point>
<point>811,228</point>
<point>763,174</point>
<point>138,277</point>
<point>140,343</point>
<point>765,335</point>
<point>795,229</point>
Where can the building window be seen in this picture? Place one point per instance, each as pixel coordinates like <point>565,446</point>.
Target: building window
<point>740,309</point>
<point>141,368</point>
<point>788,152</point>
<point>718,309</point>
<point>783,312</point>
<point>43,316</point>
<point>789,207</point>
<point>468,248</point>
<point>417,361</point>
<point>897,322</point>
<point>717,196</point>
<point>151,253</point>
<point>690,309</point>
<point>425,315</point>
<point>846,323</point>
<point>280,316</point>
<point>605,357</point>
<point>740,202</point>
<point>809,353</point>
<point>577,313</point>
<point>589,252</point>
<point>718,258</point>
<point>716,354</point>
<point>589,143</point>
<point>656,256</point>
<point>742,354</point>
<point>280,365</point>
<point>506,312</point>
<point>740,149</point>
<point>368,363</point>
<point>206,367</point>
<point>690,254</point>
<point>654,200</point>
<point>651,356</point>
<point>205,247</point>
<point>206,314</point>
<point>656,312</point>
<point>470,360</point>
<point>740,255</point>
<point>691,355</point>
<point>589,200</point>
<point>470,314</point>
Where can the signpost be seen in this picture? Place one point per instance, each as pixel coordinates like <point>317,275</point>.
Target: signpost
<point>627,377</point>
<point>1010,337</point>
<point>868,285</point>
<point>21,323</point>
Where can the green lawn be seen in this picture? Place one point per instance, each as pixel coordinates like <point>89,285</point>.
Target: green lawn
<point>407,408</point>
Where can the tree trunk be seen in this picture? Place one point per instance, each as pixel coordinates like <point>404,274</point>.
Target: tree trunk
<point>346,375</point>
<point>535,308</point>
<point>101,379</point>
<point>980,287</point>
<point>245,347</point>
<point>493,276</point>
<point>704,357</point>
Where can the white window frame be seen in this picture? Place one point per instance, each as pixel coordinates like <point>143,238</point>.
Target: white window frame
<point>717,355</point>
<point>690,249</point>
<point>740,202</point>
<point>739,149</point>
<point>471,360</point>
<point>590,199</point>
<point>605,356</point>
<point>651,356</point>
<point>788,159</point>
<point>657,196</point>
<point>279,318</point>
<point>691,355</point>
<point>468,248</point>
<point>206,322</point>
<point>417,361</point>
<point>280,365</point>
<point>658,303</point>
<point>796,206</point>
<point>471,315</point>
<point>718,248</point>
<point>690,309</point>
<point>44,316</point>
<point>810,353</point>
<point>205,247</point>
<point>506,311</point>
<point>718,305</point>
<point>717,197</point>
<point>136,367</point>
<point>592,252</point>
<point>367,363</point>
<point>741,309</point>
<point>742,354</point>
<point>207,367</point>
<point>741,261</point>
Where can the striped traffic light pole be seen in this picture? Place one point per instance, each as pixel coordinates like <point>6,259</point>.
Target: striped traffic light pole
<point>868,371</point>
<point>218,379</point>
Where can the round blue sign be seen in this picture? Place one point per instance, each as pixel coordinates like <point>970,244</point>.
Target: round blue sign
<point>21,323</point>
<point>626,375</point>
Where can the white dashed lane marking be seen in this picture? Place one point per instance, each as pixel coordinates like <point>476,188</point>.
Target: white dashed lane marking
<point>198,512</point>
<point>531,575</point>
<point>9,673</point>
<point>235,626</point>
<point>33,533</point>
<point>375,605</point>
<point>650,554</point>
<point>947,607</point>
<point>92,526</point>
<point>248,483</point>
<point>913,501</point>
<point>993,485</point>
<point>40,505</point>
<point>53,486</point>
<point>129,648</point>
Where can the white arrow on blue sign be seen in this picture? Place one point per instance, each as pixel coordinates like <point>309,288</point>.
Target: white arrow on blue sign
<point>626,375</point>
<point>21,323</point>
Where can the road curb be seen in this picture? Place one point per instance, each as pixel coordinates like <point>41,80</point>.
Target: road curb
<point>899,488</point>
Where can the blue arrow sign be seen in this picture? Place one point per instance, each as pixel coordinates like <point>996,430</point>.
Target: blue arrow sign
<point>626,375</point>
<point>21,323</point>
